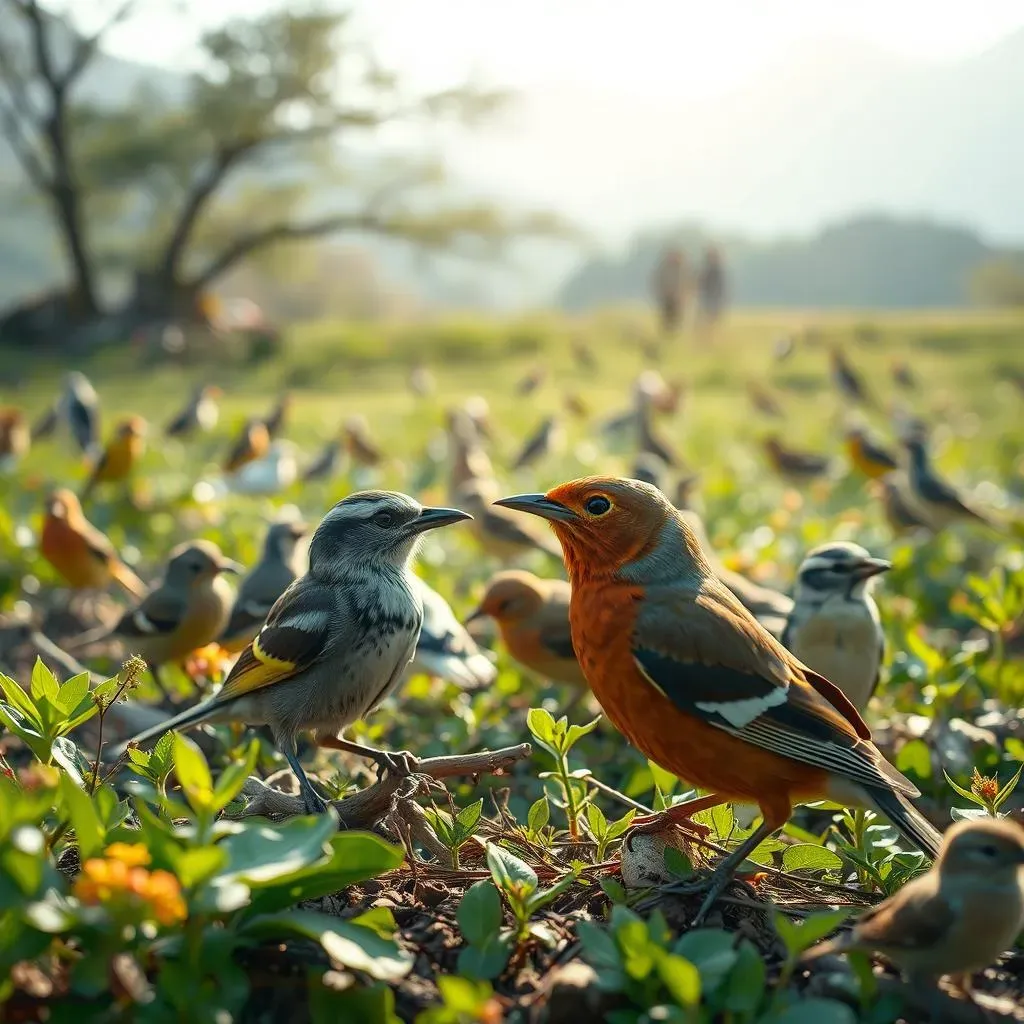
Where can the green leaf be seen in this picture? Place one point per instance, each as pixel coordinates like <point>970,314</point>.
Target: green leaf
<point>577,732</point>
<point>90,833</point>
<point>1004,793</point>
<point>711,951</point>
<point>20,700</point>
<point>510,874</point>
<point>965,793</point>
<point>808,857</point>
<point>546,896</point>
<point>681,978</point>
<point>677,863</point>
<point>479,914</point>
<point>467,818</point>
<point>163,755</point>
<point>617,828</point>
<point>723,821</point>
<point>69,757</point>
<point>44,684</point>
<point>353,946</point>
<point>599,948</point>
<point>746,981</point>
<point>73,692</point>
<point>539,814</point>
<point>597,821</point>
<point>193,773</point>
<point>815,1011</point>
<point>367,1005</point>
<point>262,853</point>
<point>353,857</point>
<point>915,758</point>
<point>199,864</point>
<point>542,726</point>
<point>234,776</point>
<point>920,649</point>
<point>486,960</point>
<point>799,937</point>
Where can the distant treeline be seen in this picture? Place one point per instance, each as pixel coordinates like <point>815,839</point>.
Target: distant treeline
<point>871,261</point>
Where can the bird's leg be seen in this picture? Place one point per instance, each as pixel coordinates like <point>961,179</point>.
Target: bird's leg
<point>726,868</point>
<point>399,762</point>
<point>679,815</point>
<point>315,804</point>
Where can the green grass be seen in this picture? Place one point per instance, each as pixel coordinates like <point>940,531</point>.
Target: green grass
<point>948,658</point>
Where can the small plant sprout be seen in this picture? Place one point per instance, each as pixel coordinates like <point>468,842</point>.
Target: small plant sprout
<point>454,829</point>
<point>985,793</point>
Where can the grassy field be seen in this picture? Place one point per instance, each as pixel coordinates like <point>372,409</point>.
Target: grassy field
<point>949,609</point>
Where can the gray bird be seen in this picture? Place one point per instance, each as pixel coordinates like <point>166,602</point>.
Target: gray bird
<point>328,463</point>
<point>201,413</point>
<point>898,507</point>
<point>541,441</point>
<point>338,640</point>
<point>79,407</point>
<point>939,501</point>
<point>834,626</point>
<point>445,649</point>
<point>274,573</point>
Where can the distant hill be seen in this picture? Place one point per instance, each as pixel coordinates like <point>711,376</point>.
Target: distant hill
<point>871,261</point>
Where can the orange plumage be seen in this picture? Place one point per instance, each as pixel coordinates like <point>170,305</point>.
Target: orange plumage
<point>251,444</point>
<point>15,436</point>
<point>691,678</point>
<point>82,554</point>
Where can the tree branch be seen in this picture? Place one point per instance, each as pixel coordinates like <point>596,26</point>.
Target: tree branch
<point>17,138</point>
<point>88,45</point>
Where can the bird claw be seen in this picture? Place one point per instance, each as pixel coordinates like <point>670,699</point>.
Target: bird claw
<point>400,763</point>
<point>651,823</point>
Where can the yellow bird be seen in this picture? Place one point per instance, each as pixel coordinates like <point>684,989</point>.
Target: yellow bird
<point>867,455</point>
<point>123,451</point>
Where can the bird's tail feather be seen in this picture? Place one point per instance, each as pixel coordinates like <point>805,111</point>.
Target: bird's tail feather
<point>183,721</point>
<point>87,639</point>
<point>129,580</point>
<point>908,819</point>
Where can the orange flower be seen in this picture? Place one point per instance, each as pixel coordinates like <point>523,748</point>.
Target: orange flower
<point>133,854</point>
<point>983,787</point>
<point>207,661</point>
<point>114,883</point>
<point>165,899</point>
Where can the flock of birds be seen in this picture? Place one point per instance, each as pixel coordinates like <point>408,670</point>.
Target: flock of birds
<point>751,694</point>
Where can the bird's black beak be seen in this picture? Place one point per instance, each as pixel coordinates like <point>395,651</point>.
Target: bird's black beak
<point>475,615</point>
<point>539,505</point>
<point>434,518</point>
<point>869,567</point>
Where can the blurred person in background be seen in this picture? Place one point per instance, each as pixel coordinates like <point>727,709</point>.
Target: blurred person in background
<point>669,284</point>
<point>710,293</point>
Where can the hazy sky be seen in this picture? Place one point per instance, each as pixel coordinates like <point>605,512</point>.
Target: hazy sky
<point>636,46</point>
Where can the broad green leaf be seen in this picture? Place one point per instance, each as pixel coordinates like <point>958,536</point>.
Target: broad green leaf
<point>711,951</point>
<point>681,978</point>
<point>480,914</point>
<point>486,960</point>
<point>13,719</point>
<point>1004,793</point>
<point>67,755</point>
<point>468,817</point>
<point>617,828</point>
<point>597,821</point>
<point>599,947</point>
<point>351,945</point>
<point>816,1011</point>
<point>260,853</point>
<point>542,726</point>
<point>808,857</point>
<point>510,874</point>
<point>20,700</point>
<point>539,814</point>
<point>968,813</point>
<point>915,758</point>
<point>677,863</point>
<point>198,864</point>
<point>233,778</point>
<point>637,950</point>
<point>73,692</point>
<point>367,1005</point>
<point>577,732</point>
<point>462,996</point>
<point>44,685</point>
<point>193,773</point>
<point>353,857</point>
<point>90,833</point>
<point>799,937</point>
<point>746,981</point>
<point>163,754</point>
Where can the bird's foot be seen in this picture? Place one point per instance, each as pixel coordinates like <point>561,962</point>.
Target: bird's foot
<point>315,804</point>
<point>400,763</point>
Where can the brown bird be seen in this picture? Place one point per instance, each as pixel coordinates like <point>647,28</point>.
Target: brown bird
<point>938,500</point>
<point>583,355</point>
<point>899,510</point>
<point>123,451</point>
<point>421,380</point>
<point>531,381</point>
<point>575,405</point>
<point>793,464</point>
<point>533,619</point>
<point>15,437</point>
<point>499,531</point>
<point>548,436</point>
<point>957,918</point>
<point>251,444</point>
<point>648,440</point>
<point>361,447</point>
<point>277,418</point>
<point>82,554</point>
<point>903,375</point>
<point>849,383</point>
<point>764,401</point>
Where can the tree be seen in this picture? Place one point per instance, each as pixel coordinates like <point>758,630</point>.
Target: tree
<point>276,138</point>
<point>998,282</point>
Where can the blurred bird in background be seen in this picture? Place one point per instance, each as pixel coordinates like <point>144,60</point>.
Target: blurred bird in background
<point>273,472</point>
<point>834,626</point>
<point>252,443</point>
<point>899,509</point>
<point>939,502</point>
<point>337,642</point>
<point>79,408</point>
<point>328,463</point>
<point>200,415</point>
<point>547,438</point>
<point>363,450</point>
<point>848,382</point>
<point>277,568</point>
<point>120,456</point>
<point>15,437</point>
<point>277,419</point>
<point>82,554</point>
<point>764,401</point>
<point>867,455</point>
<point>792,464</point>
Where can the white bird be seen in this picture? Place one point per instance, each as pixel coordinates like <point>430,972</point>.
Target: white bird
<point>273,473</point>
<point>445,648</point>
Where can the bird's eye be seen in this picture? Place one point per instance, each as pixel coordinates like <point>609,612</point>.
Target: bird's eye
<point>989,850</point>
<point>383,519</point>
<point>598,505</point>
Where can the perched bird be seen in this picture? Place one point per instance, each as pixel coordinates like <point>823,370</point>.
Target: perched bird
<point>186,610</point>
<point>898,508</point>
<point>957,918</point>
<point>15,437</point>
<point>575,405</point>
<point>903,375</point>
<point>544,439</point>
<point>583,355</point>
<point>478,410</point>
<point>118,460</point>
<point>531,381</point>
<point>82,554</point>
<point>688,675</point>
<point>277,568</point>
<point>275,471</point>
<point>498,531</point>
<point>940,502</point>
<point>445,649</point>
<point>360,445</point>
<point>328,463</point>
<point>276,420</point>
<point>201,413</point>
<point>848,382</point>
<point>648,440</point>
<point>868,455</point>
<point>834,627</point>
<point>650,469</point>
<point>252,443</point>
<point>421,380</point>
<point>338,640</point>
<point>79,407</point>
<point>47,422</point>
<point>470,465</point>
<point>792,464</point>
<point>764,401</point>
<point>533,619</point>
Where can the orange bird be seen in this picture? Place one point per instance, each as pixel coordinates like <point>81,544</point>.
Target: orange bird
<point>119,457</point>
<point>15,436</point>
<point>251,444</point>
<point>688,675</point>
<point>533,618</point>
<point>82,554</point>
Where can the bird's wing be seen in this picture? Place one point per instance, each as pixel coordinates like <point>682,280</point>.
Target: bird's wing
<point>296,635</point>
<point>159,614</point>
<point>98,544</point>
<point>709,656</point>
<point>917,918</point>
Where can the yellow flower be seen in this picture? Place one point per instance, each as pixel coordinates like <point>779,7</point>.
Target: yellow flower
<point>112,883</point>
<point>165,899</point>
<point>133,854</point>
